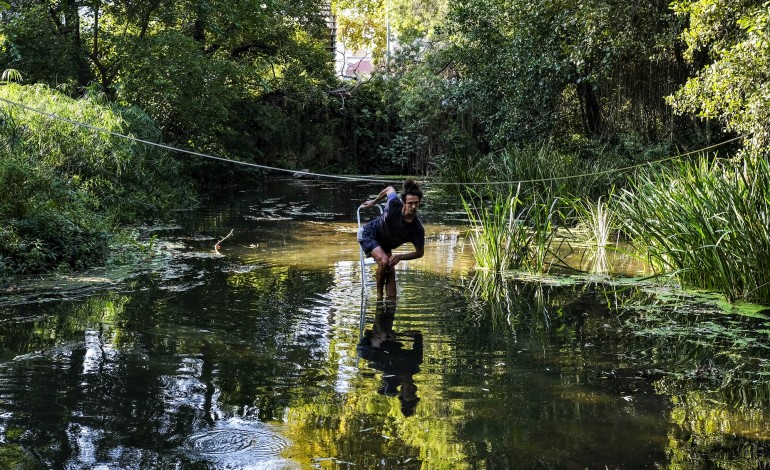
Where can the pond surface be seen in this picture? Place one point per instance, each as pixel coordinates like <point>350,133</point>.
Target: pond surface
<point>257,357</point>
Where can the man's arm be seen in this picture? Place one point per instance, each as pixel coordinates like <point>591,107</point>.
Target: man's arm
<point>383,194</point>
<point>418,253</point>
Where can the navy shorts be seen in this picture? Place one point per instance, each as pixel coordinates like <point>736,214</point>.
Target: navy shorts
<point>367,242</point>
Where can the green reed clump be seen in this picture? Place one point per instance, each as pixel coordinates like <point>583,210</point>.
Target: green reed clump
<point>509,233</point>
<point>499,237</point>
<point>707,222</point>
<point>64,188</point>
<point>599,220</point>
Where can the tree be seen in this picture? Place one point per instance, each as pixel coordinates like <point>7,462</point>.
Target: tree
<point>363,24</point>
<point>730,43</point>
<point>535,67</point>
<point>192,65</point>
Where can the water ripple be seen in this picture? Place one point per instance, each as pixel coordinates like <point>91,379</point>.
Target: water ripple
<point>260,443</point>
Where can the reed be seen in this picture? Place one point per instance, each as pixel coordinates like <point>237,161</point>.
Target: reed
<point>707,222</point>
<point>541,168</point>
<point>598,219</point>
<point>498,236</point>
<point>509,233</point>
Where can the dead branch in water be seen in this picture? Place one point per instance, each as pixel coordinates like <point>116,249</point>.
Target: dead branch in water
<point>219,243</point>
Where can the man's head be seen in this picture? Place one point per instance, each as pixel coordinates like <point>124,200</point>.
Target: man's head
<point>412,196</point>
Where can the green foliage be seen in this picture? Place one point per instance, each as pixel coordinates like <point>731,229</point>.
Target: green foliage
<point>509,233</point>
<point>64,187</point>
<point>734,38</point>
<point>11,75</point>
<point>542,169</point>
<point>708,223</point>
<point>42,48</point>
<point>199,69</point>
<point>538,68</point>
<point>14,455</point>
<point>363,24</point>
<point>499,75</point>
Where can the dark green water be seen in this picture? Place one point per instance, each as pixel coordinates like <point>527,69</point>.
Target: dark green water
<point>254,357</point>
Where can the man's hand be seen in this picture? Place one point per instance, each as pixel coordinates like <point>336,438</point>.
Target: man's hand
<point>395,259</point>
<point>383,194</point>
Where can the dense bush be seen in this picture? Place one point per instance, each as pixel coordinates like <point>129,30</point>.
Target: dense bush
<point>65,187</point>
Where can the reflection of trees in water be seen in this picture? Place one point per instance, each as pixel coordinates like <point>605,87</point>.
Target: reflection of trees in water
<point>90,384</point>
<point>367,426</point>
<point>716,382</point>
<point>152,367</point>
<point>711,433</point>
<point>711,364</point>
<point>540,309</point>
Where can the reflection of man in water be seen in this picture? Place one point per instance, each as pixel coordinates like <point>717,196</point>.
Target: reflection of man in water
<point>398,365</point>
<point>397,225</point>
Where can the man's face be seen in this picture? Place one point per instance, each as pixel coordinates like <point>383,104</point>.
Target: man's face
<point>411,205</point>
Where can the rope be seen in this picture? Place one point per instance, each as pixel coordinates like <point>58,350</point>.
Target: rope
<point>352,177</point>
<point>197,154</point>
<point>582,175</point>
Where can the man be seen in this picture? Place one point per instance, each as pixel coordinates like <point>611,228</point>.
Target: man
<point>397,225</point>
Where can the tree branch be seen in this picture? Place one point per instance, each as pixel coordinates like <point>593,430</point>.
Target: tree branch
<point>219,243</point>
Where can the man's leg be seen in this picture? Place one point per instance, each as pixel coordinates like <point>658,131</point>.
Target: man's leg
<point>390,279</point>
<point>383,270</point>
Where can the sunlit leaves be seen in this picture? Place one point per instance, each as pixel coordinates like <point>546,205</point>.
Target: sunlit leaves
<point>733,86</point>
<point>363,24</point>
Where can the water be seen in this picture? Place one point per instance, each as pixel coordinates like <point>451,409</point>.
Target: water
<point>256,357</point>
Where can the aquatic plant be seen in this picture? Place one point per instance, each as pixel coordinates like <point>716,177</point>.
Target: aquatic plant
<point>508,234</point>
<point>707,222</point>
<point>541,169</point>
<point>499,238</point>
<point>598,223</point>
<point>542,217</point>
<point>598,219</point>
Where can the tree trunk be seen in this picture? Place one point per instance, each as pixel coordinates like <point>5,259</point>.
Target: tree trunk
<point>591,110</point>
<point>71,31</point>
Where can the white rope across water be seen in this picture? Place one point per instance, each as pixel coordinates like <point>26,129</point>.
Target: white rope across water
<point>191,152</point>
<point>362,178</point>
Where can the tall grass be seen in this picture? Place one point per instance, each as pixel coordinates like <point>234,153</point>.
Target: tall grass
<point>599,220</point>
<point>499,238</point>
<point>600,223</point>
<point>541,168</point>
<point>707,222</point>
<point>509,233</point>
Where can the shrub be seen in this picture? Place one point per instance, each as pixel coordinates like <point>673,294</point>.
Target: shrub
<point>65,186</point>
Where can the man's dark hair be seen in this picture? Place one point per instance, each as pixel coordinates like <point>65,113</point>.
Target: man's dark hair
<point>411,188</point>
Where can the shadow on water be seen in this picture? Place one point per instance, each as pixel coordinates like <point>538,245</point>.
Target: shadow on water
<point>256,358</point>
